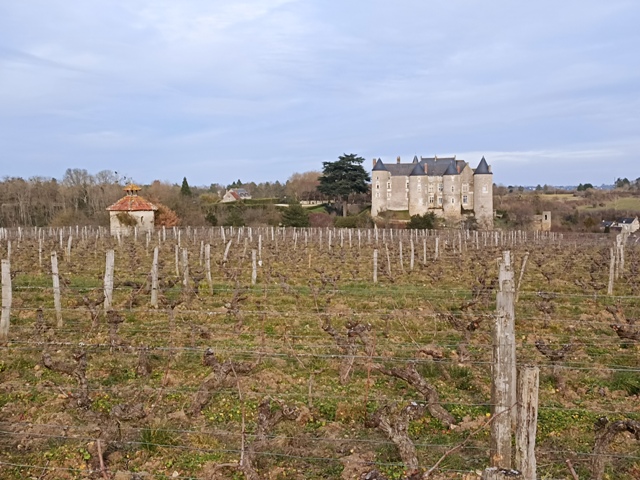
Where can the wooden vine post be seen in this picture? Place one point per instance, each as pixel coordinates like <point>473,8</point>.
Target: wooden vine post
<point>6,300</point>
<point>108,280</point>
<point>154,279</point>
<point>57,303</point>
<point>527,425</point>
<point>503,384</point>
<point>375,265</point>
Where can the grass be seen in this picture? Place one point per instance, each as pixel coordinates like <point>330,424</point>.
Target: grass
<point>282,325</point>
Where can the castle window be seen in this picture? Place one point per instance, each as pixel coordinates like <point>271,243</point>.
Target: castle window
<point>377,194</point>
<point>439,200</point>
<point>465,187</point>
<point>388,185</point>
<point>465,199</point>
<point>430,188</point>
<point>388,194</point>
<point>485,189</point>
<point>377,186</point>
<point>431,199</point>
<point>440,187</point>
<point>453,200</point>
<point>453,189</point>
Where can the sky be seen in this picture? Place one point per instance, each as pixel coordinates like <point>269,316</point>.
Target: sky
<point>215,91</point>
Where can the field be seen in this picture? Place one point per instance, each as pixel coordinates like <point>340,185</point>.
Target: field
<point>295,375</point>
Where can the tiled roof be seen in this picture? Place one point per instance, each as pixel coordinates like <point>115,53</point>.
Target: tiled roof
<point>626,221</point>
<point>132,203</point>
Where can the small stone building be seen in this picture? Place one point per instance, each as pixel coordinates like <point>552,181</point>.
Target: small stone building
<point>131,211</point>
<point>448,187</point>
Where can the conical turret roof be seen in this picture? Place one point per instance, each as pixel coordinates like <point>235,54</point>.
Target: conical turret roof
<point>483,168</point>
<point>417,170</point>
<point>379,166</point>
<point>452,170</point>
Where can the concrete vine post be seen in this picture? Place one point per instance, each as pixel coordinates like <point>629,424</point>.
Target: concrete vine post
<point>57,303</point>
<point>6,300</point>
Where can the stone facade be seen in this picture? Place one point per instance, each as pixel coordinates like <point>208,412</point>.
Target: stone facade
<point>131,211</point>
<point>448,187</point>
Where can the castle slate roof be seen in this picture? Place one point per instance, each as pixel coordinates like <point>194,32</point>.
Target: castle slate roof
<point>483,168</point>
<point>417,170</point>
<point>435,166</point>
<point>451,169</point>
<point>379,166</point>
<point>132,203</point>
<point>627,221</point>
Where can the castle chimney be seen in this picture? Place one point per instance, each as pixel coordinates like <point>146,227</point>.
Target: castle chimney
<point>426,168</point>
<point>374,162</point>
<point>398,159</point>
<point>458,168</point>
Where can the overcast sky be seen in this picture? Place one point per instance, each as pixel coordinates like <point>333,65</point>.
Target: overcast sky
<point>548,91</point>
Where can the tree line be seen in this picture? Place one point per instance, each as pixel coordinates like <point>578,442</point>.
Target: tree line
<point>81,198</point>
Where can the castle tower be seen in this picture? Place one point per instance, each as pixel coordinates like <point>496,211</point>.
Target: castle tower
<point>380,190</point>
<point>451,193</point>
<point>483,195</point>
<point>417,190</point>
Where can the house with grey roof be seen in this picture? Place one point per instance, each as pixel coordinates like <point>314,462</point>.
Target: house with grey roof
<point>446,186</point>
<point>235,195</point>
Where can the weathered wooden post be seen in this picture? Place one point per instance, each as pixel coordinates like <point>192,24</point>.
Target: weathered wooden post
<point>226,252</point>
<point>524,265</point>
<point>503,385</point>
<point>527,423</point>
<point>185,268</point>
<point>6,300</point>
<point>57,303</point>
<point>612,266</point>
<point>413,252</point>
<point>108,279</point>
<point>176,253</point>
<point>207,266</point>
<point>68,251</point>
<point>154,279</point>
<point>435,257</point>
<point>254,267</point>
<point>375,265</point>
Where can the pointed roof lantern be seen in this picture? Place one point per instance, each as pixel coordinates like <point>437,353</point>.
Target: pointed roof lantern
<point>452,170</point>
<point>379,166</point>
<point>483,168</point>
<point>417,170</point>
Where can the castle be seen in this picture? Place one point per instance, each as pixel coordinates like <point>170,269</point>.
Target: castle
<point>448,187</point>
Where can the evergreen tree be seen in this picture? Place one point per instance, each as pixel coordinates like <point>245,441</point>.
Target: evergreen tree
<point>295,216</point>
<point>185,190</point>
<point>341,178</point>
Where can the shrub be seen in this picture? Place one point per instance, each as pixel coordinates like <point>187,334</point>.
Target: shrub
<point>428,221</point>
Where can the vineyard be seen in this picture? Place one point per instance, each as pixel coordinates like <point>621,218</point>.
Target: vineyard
<point>273,353</point>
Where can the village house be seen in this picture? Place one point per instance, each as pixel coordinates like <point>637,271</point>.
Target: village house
<point>131,211</point>
<point>235,195</point>
<point>448,187</point>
